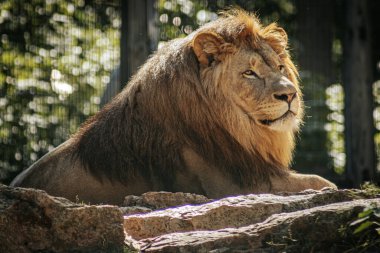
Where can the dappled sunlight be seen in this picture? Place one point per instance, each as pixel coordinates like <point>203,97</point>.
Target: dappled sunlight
<point>53,72</point>
<point>335,126</point>
<point>58,85</point>
<point>61,88</point>
<point>376,116</point>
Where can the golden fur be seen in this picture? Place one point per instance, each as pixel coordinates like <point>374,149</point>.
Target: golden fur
<point>214,113</point>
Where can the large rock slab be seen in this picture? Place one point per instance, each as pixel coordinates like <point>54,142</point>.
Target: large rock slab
<point>232,212</point>
<point>33,221</point>
<point>311,230</point>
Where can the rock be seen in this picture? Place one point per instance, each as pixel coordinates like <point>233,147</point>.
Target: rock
<point>129,210</point>
<point>311,230</point>
<point>160,200</point>
<point>31,221</point>
<point>229,212</point>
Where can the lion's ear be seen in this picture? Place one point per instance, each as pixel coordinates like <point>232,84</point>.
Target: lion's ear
<point>276,38</point>
<point>209,46</point>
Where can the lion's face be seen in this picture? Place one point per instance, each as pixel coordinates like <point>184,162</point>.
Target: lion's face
<point>255,80</point>
<point>258,84</point>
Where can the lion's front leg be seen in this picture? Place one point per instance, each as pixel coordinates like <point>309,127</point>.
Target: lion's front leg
<point>294,182</point>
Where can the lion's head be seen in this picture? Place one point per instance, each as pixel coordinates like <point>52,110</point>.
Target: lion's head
<point>251,71</point>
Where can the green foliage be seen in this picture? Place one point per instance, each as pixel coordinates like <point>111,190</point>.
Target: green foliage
<point>129,250</point>
<point>181,17</point>
<point>371,189</point>
<point>363,233</point>
<point>335,126</point>
<point>55,56</point>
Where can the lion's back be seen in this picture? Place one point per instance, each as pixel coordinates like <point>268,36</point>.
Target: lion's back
<point>60,173</point>
<point>44,172</point>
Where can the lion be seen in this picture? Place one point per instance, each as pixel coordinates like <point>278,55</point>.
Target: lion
<point>215,113</point>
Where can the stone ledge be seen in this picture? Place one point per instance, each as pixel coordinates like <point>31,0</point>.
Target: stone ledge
<point>31,220</point>
<point>308,230</point>
<point>230,212</point>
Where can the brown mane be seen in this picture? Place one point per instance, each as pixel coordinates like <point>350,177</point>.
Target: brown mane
<point>165,107</point>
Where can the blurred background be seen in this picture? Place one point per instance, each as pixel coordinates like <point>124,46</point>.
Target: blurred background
<point>60,62</point>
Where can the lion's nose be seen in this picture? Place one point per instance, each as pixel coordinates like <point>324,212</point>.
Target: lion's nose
<point>284,90</point>
<point>287,97</point>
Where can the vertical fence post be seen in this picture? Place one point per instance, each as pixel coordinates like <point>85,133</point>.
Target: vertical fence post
<point>357,81</point>
<point>314,54</point>
<point>137,35</point>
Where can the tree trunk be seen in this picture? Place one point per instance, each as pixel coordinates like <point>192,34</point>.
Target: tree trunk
<point>315,35</point>
<point>314,56</point>
<point>357,80</point>
<point>139,38</point>
<point>138,35</point>
<point>374,7</point>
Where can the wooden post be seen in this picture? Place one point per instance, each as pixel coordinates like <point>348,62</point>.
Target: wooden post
<point>374,7</point>
<point>358,80</point>
<point>138,35</point>
<point>315,37</point>
<point>314,55</point>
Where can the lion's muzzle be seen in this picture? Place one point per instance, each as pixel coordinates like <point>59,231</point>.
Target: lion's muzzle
<point>284,90</point>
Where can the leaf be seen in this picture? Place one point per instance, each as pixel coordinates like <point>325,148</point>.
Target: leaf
<point>365,213</point>
<point>378,231</point>
<point>356,222</point>
<point>363,226</point>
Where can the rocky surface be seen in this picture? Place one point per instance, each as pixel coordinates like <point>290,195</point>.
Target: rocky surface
<point>228,212</point>
<point>309,221</point>
<point>151,201</point>
<point>33,221</point>
<point>302,222</point>
<point>160,200</point>
<point>312,230</point>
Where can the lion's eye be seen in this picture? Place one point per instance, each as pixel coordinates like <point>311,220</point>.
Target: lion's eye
<point>250,74</point>
<point>282,69</point>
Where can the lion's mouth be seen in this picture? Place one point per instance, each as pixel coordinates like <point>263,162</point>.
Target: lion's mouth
<point>269,122</point>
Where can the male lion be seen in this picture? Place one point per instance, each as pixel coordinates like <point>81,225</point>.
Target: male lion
<point>214,113</point>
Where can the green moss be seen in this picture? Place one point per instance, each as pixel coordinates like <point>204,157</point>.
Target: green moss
<point>129,250</point>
